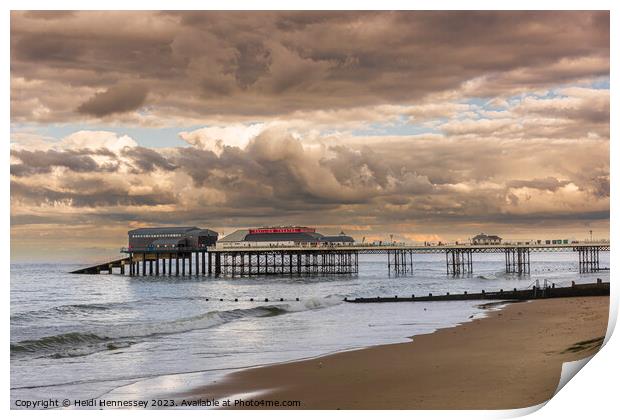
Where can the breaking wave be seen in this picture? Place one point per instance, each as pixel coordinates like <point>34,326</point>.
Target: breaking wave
<point>74,344</point>
<point>86,309</point>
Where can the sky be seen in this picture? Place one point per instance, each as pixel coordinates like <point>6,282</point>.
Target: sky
<point>421,126</point>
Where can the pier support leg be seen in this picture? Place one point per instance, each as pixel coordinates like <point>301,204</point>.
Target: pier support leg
<point>589,260</point>
<point>459,261</point>
<point>290,263</point>
<point>517,260</point>
<point>144,264</point>
<point>204,268</point>
<point>258,255</point>
<point>218,263</point>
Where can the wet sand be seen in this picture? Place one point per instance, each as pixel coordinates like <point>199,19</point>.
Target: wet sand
<point>511,359</point>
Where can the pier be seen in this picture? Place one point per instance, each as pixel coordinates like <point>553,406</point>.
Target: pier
<point>332,259</point>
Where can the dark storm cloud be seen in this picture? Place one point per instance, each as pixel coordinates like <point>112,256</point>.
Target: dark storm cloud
<point>117,99</point>
<point>347,163</point>
<point>252,63</point>
<point>288,61</point>
<point>87,193</point>
<point>598,185</point>
<point>549,183</point>
<point>139,160</point>
<point>273,171</point>
<point>34,48</point>
<point>147,160</point>
<point>585,107</point>
<point>43,161</point>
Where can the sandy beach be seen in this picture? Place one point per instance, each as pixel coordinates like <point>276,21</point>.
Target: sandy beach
<point>510,359</point>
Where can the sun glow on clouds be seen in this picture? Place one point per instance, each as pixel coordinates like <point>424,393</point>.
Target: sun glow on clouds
<point>215,138</point>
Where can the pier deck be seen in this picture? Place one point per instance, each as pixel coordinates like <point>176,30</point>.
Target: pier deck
<point>334,259</point>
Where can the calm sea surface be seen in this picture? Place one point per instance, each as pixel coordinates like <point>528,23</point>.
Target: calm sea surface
<point>84,336</point>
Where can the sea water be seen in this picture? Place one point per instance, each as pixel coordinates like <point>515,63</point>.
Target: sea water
<point>90,336</point>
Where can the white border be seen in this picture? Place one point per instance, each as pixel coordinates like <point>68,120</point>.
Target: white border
<point>592,395</point>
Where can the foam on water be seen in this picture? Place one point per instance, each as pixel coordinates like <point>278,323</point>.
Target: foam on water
<point>112,337</point>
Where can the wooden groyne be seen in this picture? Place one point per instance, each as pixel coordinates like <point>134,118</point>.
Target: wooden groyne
<point>575,290</point>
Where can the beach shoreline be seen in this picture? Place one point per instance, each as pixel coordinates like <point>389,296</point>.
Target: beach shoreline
<point>512,358</point>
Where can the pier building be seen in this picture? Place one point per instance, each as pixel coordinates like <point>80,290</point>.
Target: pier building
<point>483,239</point>
<point>282,236</point>
<point>171,238</point>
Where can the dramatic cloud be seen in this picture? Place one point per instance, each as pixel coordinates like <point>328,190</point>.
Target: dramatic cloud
<point>550,184</point>
<point>147,160</point>
<point>247,64</point>
<point>216,137</point>
<point>117,99</point>
<point>79,196</point>
<point>422,125</point>
<point>43,161</point>
<point>278,176</point>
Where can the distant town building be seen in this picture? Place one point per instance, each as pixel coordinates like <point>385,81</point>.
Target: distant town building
<point>483,239</point>
<point>282,236</point>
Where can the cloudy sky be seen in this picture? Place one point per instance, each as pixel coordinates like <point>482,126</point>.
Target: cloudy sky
<point>421,125</point>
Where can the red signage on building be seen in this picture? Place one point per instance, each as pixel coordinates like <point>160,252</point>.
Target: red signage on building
<point>297,229</point>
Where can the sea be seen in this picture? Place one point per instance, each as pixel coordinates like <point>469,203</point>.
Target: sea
<point>119,337</point>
